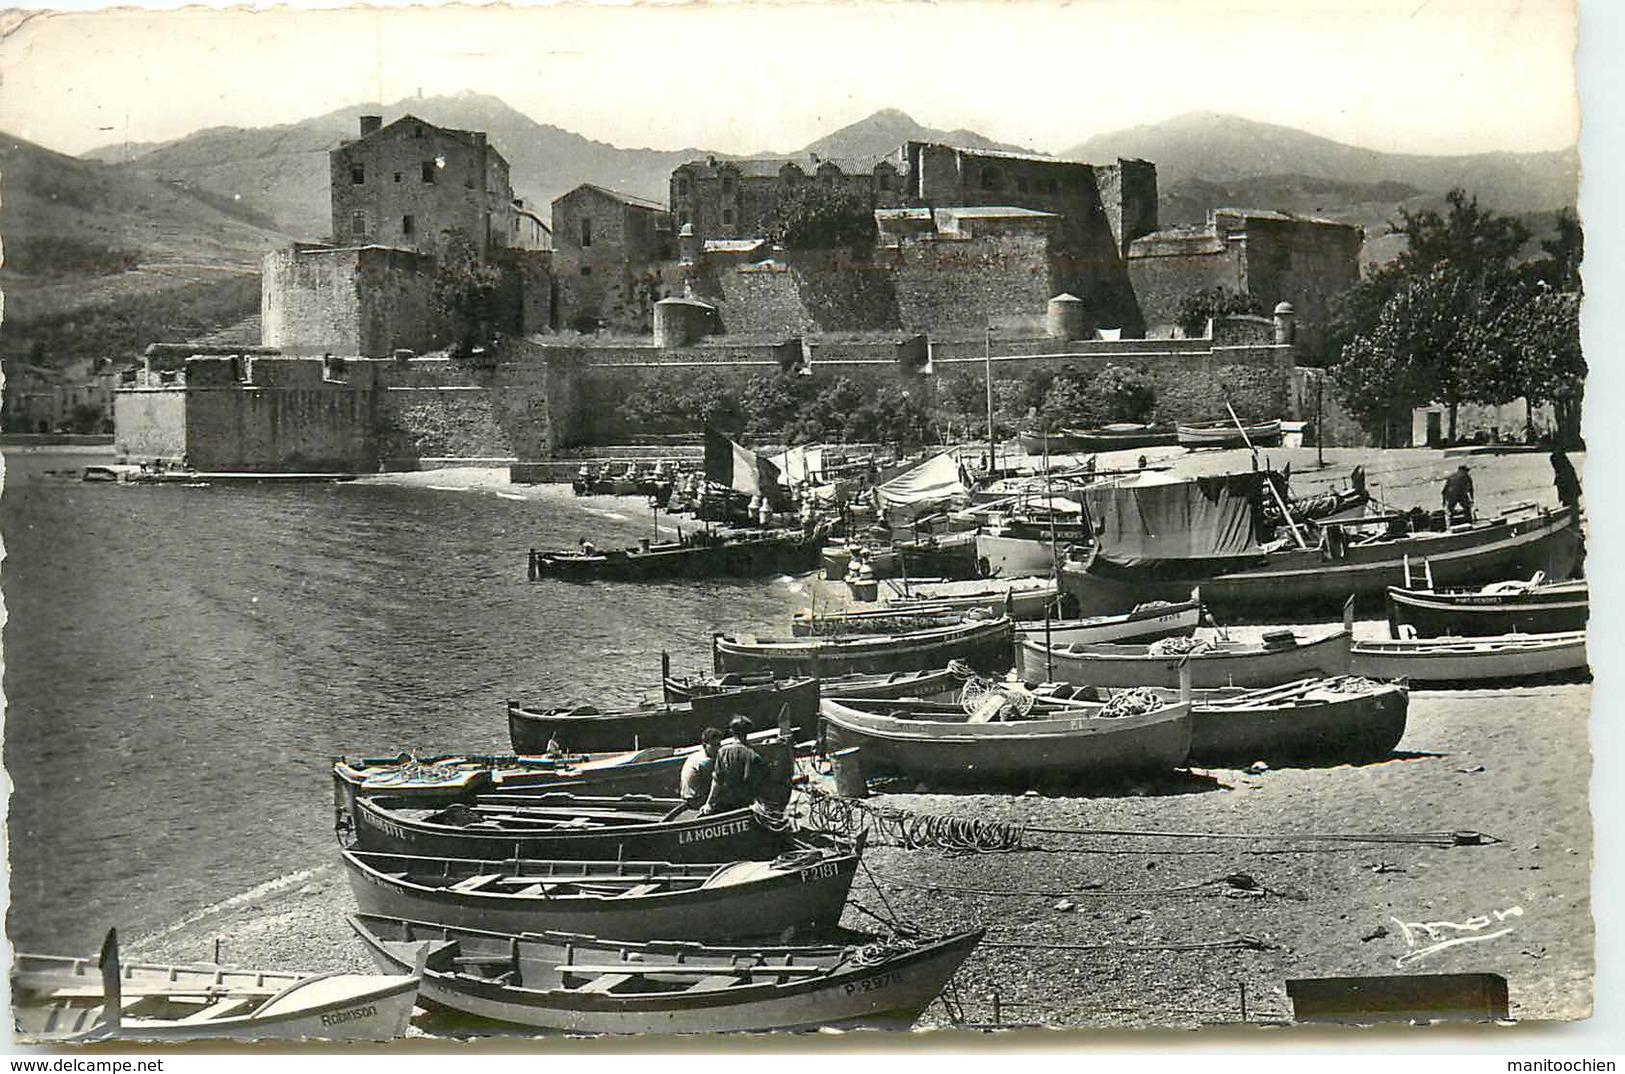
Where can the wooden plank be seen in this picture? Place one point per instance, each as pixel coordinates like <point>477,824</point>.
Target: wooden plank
<point>713,983</point>
<point>605,983</point>
<point>640,890</point>
<point>474,883</point>
<point>690,969</point>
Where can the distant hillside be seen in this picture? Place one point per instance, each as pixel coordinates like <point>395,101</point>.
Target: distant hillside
<point>88,242</point>
<point>283,170</point>
<point>887,129</point>
<point>1225,149</point>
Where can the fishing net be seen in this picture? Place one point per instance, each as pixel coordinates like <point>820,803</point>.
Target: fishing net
<point>979,695</point>
<point>1349,684</point>
<point>1134,702</point>
<point>413,771</point>
<point>1179,646</point>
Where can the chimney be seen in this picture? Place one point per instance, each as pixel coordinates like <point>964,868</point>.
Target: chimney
<point>370,124</point>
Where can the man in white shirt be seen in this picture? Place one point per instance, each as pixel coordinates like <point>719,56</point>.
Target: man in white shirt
<point>694,787</point>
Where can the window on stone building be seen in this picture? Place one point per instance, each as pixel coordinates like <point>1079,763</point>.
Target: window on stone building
<point>586,270</point>
<point>991,179</point>
<point>727,185</point>
<point>408,225</point>
<point>358,225</point>
<point>397,177</point>
<point>1053,187</point>
<point>1021,184</point>
<point>586,232</point>
<point>417,131</point>
<point>428,171</point>
<point>885,180</point>
<point>358,174</point>
<point>682,186</point>
<point>727,217</point>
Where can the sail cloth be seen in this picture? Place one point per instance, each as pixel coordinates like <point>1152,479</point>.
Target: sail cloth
<point>740,468</point>
<point>800,465</point>
<point>935,480</point>
<point>1147,520</point>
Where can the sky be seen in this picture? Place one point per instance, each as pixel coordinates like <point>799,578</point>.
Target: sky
<point>1419,76</point>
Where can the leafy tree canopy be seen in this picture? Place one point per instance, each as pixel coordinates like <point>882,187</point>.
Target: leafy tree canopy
<point>1212,302</point>
<point>813,216</point>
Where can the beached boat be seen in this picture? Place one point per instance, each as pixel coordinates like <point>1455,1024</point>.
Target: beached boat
<point>926,684</point>
<point>1156,539</point>
<point>1507,659</point>
<point>579,984</point>
<point>1020,598</point>
<point>802,893</point>
<point>1279,657</point>
<point>983,644</point>
<point>1121,436</point>
<point>586,727</point>
<point>1039,444</point>
<point>939,742</point>
<point>1498,608</point>
<point>1227,434</point>
<point>560,825</point>
<point>951,555</point>
<point>1340,719</point>
<point>739,555</point>
<point>1145,622</point>
<point>63,999</point>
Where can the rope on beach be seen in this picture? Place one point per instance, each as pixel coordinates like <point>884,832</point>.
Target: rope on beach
<point>1237,882</point>
<point>887,826</point>
<point>1436,839</point>
<point>1239,943</point>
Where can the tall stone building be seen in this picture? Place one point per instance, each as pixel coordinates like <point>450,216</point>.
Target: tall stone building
<point>413,185</point>
<point>1275,257</point>
<point>735,199</point>
<point>608,249</point>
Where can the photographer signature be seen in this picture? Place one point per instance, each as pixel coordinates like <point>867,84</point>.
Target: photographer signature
<point>1424,938</point>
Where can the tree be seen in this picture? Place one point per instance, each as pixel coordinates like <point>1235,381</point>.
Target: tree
<point>1213,302</point>
<point>1119,393</point>
<point>813,216</point>
<point>464,293</point>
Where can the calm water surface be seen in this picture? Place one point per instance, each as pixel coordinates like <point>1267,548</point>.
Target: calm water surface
<point>182,664</point>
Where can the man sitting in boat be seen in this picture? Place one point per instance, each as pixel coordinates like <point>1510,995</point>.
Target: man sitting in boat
<point>694,785</point>
<point>586,547</point>
<point>1458,495</point>
<point>738,772</point>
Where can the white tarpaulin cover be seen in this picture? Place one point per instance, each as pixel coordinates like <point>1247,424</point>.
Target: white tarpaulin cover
<point>934,480</point>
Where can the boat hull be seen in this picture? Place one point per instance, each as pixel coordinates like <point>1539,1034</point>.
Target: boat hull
<point>384,825</point>
<point>985,646</point>
<point>739,558</point>
<point>1222,435</point>
<point>1429,614</point>
<point>1129,665</point>
<point>530,730</point>
<point>1510,658</point>
<point>1069,750</point>
<point>1014,557</point>
<point>1099,441</point>
<point>804,901</point>
<point>1332,729</point>
<point>1308,580</point>
<point>1143,624</point>
<point>888,993</point>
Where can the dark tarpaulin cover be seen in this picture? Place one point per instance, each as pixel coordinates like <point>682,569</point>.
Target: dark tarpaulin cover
<point>1208,518</point>
<point>740,468</point>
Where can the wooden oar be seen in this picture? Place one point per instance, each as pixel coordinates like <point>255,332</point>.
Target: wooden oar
<point>112,984</point>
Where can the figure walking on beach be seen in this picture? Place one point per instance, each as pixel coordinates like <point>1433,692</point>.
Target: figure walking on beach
<point>1458,495</point>
<point>1566,480</point>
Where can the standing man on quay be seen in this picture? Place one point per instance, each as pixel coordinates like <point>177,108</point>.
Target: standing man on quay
<point>738,773</point>
<point>1567,481</point>
<point>1458,493</point>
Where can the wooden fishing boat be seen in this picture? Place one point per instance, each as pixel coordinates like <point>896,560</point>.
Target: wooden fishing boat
<point>925,684</point>
<point>1039,444</point>
<point>1122,436</point>
<point>1277,659</point>
<point>1507,659</point>
<point>579,984</point>
<point>1145,622</point>
<point>447,778</point>
<point>1499,608</point>
<point>946,556</point>
<point>801,893</point>
<point>1227,434</point>
<point>553,824</point>
<point>984,645</point>
<point>64,999</point>
<point>585,727</point>
<point>1019,598</point>
<point>1340,719</point>
<point>740,555</point>
<point>1240,578</point>
<point>1002,556</point>
<point>939,742</point>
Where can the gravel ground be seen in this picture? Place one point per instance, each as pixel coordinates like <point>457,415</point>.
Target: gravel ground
<point>1137,931</point>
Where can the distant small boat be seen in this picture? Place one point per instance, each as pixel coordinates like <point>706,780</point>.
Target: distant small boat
<point>1500,608</point>
<point>803,893</point>
<point>1505,659</point>
<point>1020,598</point>
<point>1227,434</point>
<point>1122,436</point>
<point>1146,622</point>
<point>586,727</point>
<point>1272,661</point>
<point>939,742</point>
<point>581,984</point>
<point>63,999</point>
<point>929,683</point>
<point>743,555</point>
<point>1035,443</point>
<point>985,645</point>
<point>558,825</point>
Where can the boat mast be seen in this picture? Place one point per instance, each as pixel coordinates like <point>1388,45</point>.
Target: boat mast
<point>1275,492</point>
<point>987,379</point>
<point>1055,563</point>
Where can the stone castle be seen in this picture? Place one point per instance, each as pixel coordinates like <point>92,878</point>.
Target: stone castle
<point>1055,259</point>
